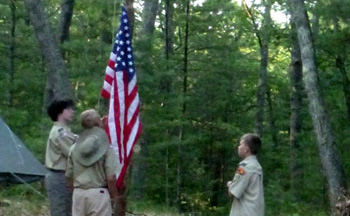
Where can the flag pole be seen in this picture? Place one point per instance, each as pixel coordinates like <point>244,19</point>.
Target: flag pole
<point>120,206</point>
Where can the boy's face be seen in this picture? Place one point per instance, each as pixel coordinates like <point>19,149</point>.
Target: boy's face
<point>243,149</point>
<point>68,114</point>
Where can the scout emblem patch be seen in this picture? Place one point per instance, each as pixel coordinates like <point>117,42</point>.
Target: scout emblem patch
<point>62,132</point>
<point>240,171</point>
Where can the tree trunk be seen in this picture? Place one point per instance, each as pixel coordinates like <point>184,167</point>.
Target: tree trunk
<point>166,82</point>
<point>12,53</point>
<point>184,105</point>
<point>263,39</point>
<point>315,22</point>
<point>330,159</point>
<point>169,28</point>
<point>272,122</point>
<point>149,13</point>
<point>65,20</point>
<point>129,5</point>
<point>120,204</point>
<point>58,86</point>
<point>296,95</point>
<point>340,64</point>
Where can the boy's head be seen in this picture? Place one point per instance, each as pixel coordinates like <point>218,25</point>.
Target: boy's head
<point>57,107</point>
<point>90,118</point>
<point>249,145</point>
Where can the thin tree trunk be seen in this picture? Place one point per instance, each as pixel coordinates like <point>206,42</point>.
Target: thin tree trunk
<point>340,64</point>
<point>272,121</point>
<point>166,82</point>
<point>58,86</point>
<point>169,28</point>
<point>184,105</point>
<point>167,176</point>
<point>129,5</point>
<point>263,40</point>
<point>296,94</point>
<point>12,53</point>
<point>330,159</point>
<point>262,82</point>
<point>315,22</point>
<point>65,20</point>
<point>149,13</point>
<point>121,202</point>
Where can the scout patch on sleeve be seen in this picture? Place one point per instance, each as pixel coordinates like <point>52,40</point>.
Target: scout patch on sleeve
<point>240,171</point>
<point>62,132</point>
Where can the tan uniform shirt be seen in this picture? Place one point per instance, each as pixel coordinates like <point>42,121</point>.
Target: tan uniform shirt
<point>60,140</point>
<point>247,189</point>
<point>94,176</point>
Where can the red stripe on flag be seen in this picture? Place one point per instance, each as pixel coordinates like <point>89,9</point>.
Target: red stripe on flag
<point>127,160</point>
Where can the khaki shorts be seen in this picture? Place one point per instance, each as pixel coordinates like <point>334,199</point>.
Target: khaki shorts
<point>93,201</point>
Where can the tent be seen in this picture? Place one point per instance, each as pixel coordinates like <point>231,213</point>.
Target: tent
<point>17,163</point>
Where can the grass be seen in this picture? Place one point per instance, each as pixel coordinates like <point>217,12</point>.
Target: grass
<point>28,200</point>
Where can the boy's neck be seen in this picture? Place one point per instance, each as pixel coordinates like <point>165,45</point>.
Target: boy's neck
<point>62,121</point>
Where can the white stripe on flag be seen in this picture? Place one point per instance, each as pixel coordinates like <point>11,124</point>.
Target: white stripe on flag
<point>132,136</point>
<point>121,96</point>
<point>132,84</point>
<point>132,108</point>
<point>111,123</point>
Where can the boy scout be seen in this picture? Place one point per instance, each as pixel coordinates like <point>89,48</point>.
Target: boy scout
<point>247,184</point>
<point>92,165</point>
<point>60,140</point>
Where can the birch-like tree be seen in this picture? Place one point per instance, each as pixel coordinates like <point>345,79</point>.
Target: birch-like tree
<point>330,158</point>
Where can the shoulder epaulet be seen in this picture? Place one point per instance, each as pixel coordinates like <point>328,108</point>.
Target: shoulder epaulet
<point>243,164</point>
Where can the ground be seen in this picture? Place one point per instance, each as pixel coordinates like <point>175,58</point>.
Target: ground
<point>23,207</point>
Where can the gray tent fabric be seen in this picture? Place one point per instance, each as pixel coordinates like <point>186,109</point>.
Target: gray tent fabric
<point>17,163</point>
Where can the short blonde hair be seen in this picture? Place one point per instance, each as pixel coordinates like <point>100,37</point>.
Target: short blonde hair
<point>90,118</point>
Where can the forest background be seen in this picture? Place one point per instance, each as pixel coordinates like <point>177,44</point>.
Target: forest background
<point>208,72</point>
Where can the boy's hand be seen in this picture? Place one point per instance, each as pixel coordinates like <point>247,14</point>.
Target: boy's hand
<point>104,121</point>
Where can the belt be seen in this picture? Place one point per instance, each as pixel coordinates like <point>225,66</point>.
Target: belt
<point>105,187</point>
<point>56,171</point>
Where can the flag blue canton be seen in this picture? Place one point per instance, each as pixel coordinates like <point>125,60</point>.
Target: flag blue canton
<point>123,49</point>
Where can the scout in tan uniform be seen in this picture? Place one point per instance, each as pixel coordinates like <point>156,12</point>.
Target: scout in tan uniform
<point>247,184</point>
<point>92,166</point>
<point>60,140</point>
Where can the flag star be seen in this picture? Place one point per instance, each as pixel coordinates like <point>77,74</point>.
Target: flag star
<point>125,20</point>
<point>127,34</point>
<point>122,52</point>
<point>124,13</point>
<point>130,63</point>
<point>129,56</point>
<point>127,42</point>
<point>118,58</point>
<point>123,63</point>
<point>129,49</point>
<point>126,28</point>
<point>118,48</point>
<point>120,32</point>
<point>131,70</point>
<point>121,42</point>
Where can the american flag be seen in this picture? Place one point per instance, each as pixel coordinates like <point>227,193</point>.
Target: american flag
<point>124,126</point>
